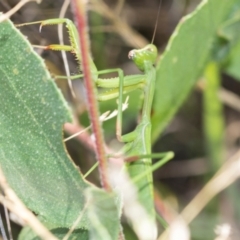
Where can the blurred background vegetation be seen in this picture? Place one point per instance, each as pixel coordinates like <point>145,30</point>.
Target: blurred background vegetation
<point>180,180</point>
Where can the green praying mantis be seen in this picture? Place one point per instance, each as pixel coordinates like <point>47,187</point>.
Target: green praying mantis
<point>137,142</point>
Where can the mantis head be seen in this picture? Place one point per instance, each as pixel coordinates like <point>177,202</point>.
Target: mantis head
<point>143,55</point>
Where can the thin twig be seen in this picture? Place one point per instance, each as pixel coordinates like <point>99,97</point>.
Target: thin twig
<point>73,227</point>
<point>63,53</point>
<point>3,232</point>
<point>129,35</point>
<point>227,175</point>
<point>7,15</point>
<point>119,7</point>
<point>8,223</point>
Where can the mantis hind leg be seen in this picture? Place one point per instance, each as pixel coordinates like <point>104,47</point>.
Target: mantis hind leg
<point>164,158</point>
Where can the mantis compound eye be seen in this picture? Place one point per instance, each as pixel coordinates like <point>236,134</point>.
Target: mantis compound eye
<point>131,54</point>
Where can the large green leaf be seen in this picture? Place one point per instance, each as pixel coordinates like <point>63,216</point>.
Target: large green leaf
<point>185,58</point>
<point>32,153</point>
<point>103,213</point>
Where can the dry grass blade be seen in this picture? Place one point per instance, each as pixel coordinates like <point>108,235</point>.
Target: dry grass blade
<point>16,8</point>
<point>227,175</point>
<point>122,28</point>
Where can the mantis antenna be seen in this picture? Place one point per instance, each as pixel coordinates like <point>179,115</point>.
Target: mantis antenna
<point>156,23</point>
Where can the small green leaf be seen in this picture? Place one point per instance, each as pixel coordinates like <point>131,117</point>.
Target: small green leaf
<point>229,31</point>
<point>32,153</point>
<point>103,214</point>
<point>233,62</point>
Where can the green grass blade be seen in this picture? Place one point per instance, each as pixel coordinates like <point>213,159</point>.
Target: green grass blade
<point>213,116</point>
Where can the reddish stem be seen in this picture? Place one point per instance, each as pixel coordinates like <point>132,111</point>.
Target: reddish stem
<point>80,19</point>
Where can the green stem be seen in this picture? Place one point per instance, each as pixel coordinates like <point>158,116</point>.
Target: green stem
<point>213,116</point>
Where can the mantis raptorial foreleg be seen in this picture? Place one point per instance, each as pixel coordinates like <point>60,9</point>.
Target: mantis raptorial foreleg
<point>138,142</point>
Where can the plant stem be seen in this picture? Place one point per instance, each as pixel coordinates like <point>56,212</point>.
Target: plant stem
<point>213,116</point>
<point>80,19</point>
